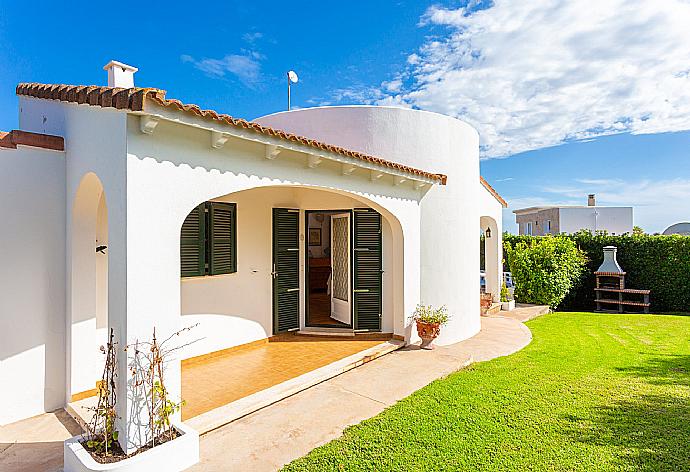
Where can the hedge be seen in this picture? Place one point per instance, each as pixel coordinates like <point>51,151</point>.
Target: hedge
<point>658,263</point>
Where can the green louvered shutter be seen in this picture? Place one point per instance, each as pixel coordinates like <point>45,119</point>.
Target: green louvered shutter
<point>222,238</point>
<point>285,270</point>
<point>193,243</point>
<point>367,270</point>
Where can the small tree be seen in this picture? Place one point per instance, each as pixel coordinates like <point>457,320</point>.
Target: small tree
<point>505,294</point>
<point>638,231</point>
<point>545,269</point>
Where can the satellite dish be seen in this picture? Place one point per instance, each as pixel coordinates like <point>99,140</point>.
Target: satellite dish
<point>292,76</point>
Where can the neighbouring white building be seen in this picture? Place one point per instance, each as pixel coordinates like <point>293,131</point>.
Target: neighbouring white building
<point>542,220</point>
<point>126,210</point>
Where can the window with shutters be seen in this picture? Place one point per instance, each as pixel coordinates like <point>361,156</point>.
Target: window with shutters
<point>208,240</point>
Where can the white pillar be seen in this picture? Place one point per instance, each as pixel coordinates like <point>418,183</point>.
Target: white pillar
<point>153,293</point>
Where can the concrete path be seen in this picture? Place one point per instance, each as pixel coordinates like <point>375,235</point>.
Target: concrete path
<point>35,444</point>
<point>270,438</point>
<point>524,312</point>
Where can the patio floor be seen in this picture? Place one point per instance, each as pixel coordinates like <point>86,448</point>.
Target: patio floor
<point>211,381</point>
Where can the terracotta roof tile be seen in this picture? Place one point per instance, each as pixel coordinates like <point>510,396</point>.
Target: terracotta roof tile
<point>25,138</point>
<point>493,192</point>
<point>134,99</point>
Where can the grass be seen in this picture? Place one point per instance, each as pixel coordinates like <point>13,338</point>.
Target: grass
<point>591,392</point>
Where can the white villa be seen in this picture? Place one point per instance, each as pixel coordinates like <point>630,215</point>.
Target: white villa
<point>128,210</point>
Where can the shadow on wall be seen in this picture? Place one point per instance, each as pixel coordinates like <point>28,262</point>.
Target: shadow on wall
<point>651,431</point>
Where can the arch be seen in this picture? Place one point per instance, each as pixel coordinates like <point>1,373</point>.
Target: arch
<point>88,297</point>
<point>493,259</point>
<point>200,304</point>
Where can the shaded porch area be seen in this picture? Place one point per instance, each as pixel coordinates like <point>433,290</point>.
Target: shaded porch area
<point>217,379</point>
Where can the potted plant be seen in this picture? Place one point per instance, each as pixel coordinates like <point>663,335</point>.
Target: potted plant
<point>507,302</point>
<point>429,321</point>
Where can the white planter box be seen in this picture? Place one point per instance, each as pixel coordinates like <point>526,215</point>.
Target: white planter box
<point>174,456</point>
<point>508,306</point>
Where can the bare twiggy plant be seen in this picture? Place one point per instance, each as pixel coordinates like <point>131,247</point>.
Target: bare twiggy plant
<point>101,434</point>
<point>148,371</point>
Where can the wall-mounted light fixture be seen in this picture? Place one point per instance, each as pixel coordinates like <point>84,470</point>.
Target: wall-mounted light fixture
<point>487,233</point>
<point>101,249</point>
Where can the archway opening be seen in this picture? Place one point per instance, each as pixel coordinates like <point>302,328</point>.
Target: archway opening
<point>490,263</point>
<point>242,307</point>
<point>89,287</point>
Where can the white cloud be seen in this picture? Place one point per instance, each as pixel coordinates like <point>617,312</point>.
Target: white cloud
<point>246,66</point>
<point>535,74</point>
<point>251,38</point>
<point>356,94</point>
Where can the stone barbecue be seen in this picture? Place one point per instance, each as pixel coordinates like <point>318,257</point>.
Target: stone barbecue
<point>610,289</point>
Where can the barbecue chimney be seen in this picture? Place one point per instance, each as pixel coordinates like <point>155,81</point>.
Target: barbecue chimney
<point>610,264</point>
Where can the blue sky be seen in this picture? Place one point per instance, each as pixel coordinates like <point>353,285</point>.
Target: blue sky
<point>569,97</point>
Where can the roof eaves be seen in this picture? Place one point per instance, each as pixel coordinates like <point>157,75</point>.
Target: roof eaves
<point>493,192</point>
<point>134,99</point>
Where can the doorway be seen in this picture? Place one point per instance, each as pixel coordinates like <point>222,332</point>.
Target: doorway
<point>329,269</point>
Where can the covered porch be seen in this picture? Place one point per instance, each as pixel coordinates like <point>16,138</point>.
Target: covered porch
<point>220,387</point>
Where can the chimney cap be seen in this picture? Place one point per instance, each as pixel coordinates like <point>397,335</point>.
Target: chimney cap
<point>610,264</point>
<point>121,65</point>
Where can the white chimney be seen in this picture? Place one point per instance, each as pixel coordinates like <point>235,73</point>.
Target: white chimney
<point>591,200</point>
<point>120,75</point>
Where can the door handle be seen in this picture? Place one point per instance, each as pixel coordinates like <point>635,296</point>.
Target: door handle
<point>274,274</point>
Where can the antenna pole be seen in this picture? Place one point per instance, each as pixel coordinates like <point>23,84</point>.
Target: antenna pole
<point>288,80</point>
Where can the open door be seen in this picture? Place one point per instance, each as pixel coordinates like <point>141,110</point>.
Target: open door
<point>285,270</point>
<point>367,270</point>
<point>340,286</point>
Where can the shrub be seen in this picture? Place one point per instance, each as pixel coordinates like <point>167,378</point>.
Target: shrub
<point>659,263</point>
<point>544,269</point>
<point>505,294</point>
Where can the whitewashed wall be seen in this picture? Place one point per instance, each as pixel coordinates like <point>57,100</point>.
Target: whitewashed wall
<point>95,145</point>
<point>32,282</point>
<point>448,252</point>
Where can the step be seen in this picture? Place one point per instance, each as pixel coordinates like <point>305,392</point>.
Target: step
<point>493,309</point>
<point>340,332</point>
<point>82,410</point>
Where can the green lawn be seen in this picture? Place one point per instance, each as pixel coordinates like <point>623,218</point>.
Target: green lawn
<point>591,392</point>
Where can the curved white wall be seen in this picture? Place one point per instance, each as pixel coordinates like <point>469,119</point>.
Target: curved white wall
<point>449,214</point>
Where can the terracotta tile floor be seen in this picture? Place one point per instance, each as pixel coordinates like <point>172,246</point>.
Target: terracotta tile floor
<point>209,383</point>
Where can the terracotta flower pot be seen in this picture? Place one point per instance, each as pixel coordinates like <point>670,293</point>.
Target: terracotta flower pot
<point>428,332</point>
